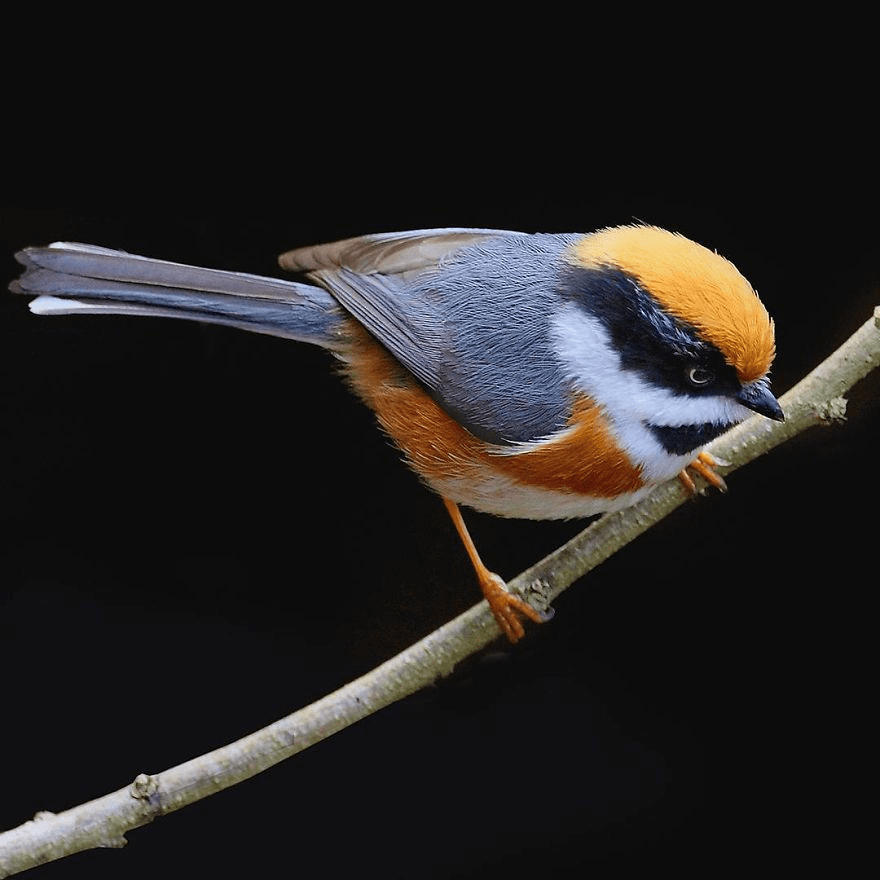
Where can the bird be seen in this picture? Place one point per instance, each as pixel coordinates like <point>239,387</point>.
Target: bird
<point>536,375</point>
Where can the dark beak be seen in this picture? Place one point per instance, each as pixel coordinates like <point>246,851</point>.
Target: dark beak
<point>756,396</point>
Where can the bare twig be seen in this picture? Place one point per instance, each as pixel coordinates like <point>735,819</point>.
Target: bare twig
<point>103,822</point>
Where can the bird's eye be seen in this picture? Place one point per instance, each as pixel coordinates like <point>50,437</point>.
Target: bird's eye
<point>699,377</point>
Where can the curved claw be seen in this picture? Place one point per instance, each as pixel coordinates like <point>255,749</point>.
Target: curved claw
<point>705,466</point>
<point>508,608</point>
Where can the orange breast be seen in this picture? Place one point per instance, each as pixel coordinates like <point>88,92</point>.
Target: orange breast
<point>583,460</point>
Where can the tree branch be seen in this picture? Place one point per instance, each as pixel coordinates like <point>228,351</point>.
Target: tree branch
<point>816,400</point>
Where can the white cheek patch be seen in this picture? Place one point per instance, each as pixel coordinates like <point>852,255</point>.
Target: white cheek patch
<point>594,366</point>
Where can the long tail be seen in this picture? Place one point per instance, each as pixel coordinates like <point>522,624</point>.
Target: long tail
<point>68,278</point>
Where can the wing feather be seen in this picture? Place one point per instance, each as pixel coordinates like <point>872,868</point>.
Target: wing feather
<point>466,312</point>
<point>387,253</point>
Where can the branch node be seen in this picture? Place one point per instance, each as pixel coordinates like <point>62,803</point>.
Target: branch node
<point>831,412</point>
<point>537,593</point>
<point>145,789</point>
<point>144,786</point>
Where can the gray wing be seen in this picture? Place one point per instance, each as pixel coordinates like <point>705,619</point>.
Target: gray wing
<point>376,278</point>
<point>466,311</point>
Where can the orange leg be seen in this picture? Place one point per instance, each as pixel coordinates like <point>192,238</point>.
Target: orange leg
<point>705,466</point>
<point>505,606</point>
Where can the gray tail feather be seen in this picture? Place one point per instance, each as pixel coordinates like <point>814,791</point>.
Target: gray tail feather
<point>69,278</point>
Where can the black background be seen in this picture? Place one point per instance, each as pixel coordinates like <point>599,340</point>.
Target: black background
<point>203,531</point>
